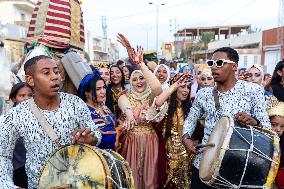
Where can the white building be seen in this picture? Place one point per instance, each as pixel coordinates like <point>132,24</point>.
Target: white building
<point>248,47</point>
<point>17,12</point>
<point>101,50</point>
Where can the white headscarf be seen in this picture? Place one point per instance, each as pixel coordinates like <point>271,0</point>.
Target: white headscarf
<point>260,68</point>
<point>136,95</point>
<point>165,85</point>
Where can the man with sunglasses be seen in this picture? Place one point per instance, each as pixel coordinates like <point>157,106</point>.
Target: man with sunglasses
<point>239,99</point>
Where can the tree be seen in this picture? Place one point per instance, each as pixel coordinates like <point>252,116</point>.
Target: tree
<point>253,30</point>
<point>207,37</point>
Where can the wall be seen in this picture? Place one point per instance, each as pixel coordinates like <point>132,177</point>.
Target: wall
<point>272,47</point>
<point>247,60</point>
<point>11,11</point>
<point>236,42</point>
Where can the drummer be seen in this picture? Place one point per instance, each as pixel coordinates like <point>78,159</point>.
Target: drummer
<point>66,114</point>
<point>242,100</point>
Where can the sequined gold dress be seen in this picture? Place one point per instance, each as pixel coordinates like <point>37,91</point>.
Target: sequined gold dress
<point>179,161</point>
<point>115,95</point>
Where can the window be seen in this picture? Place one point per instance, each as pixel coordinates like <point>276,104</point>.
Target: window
<point>255,60</point>
<point>23,17</point>
<point>245,60</point>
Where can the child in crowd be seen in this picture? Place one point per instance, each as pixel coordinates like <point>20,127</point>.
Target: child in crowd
<point>19,93</point>
<point>276,116</point>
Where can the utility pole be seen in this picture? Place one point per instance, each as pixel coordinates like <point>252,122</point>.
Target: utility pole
<point>147,36</point>
<point>104,27</point>
<point>157,23</point>
<point>281,13</point>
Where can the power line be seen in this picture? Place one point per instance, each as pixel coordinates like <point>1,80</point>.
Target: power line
<point>239,10</point>
<point>144,12</point>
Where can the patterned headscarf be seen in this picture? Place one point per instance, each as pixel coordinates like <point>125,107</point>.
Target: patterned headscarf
<point>259,67</point>
<point>136,95</point>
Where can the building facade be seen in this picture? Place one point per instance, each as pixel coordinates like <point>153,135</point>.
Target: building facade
<point>272,48</point>
<point>14,22</point>
<point>101,50</point>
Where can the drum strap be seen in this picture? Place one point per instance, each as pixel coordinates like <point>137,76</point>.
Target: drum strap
<point>43,122</point>
<point>216,98</point>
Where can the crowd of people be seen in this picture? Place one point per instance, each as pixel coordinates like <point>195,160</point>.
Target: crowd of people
<point>155,121</point>
<point>156,116</point>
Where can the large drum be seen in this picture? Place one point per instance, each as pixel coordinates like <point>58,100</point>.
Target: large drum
<point>85,167</point>
<point>243,156</point>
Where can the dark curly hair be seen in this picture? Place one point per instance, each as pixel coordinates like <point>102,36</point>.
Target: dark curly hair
<point>276,79</point>
<point>231,53</point>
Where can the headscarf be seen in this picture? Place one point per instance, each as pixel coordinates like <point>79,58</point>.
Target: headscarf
<point>165,85</point>
<point>259,67</point>
<point>84,82</point>
<point>182,68</point>
<point>136,95</point>
<point>206,72</point>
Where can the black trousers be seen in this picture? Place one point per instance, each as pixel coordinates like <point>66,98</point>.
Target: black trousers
<point>20,177</point>
<point>196,183</point>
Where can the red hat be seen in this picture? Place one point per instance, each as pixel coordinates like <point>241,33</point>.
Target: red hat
<point>57,24</point>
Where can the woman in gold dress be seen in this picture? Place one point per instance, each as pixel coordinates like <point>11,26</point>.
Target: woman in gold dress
<point>175,160</point>
<point>139,142</point>
<point>117,85</point>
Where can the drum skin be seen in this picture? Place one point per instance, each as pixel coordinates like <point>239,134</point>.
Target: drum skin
<point>85,167</point>
<point>232,161</point>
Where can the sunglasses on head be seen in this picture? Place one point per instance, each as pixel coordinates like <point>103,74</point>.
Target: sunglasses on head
<point>219,63</point>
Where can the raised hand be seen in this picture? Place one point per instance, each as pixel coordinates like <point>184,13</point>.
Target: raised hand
<point>138,56</point>
<point>124,42</point>
<point>183,80</point>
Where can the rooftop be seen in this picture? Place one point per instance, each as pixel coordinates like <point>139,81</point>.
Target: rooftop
<point>218,30</point>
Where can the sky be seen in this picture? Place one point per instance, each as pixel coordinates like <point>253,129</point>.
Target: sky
<point>134,18</point>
